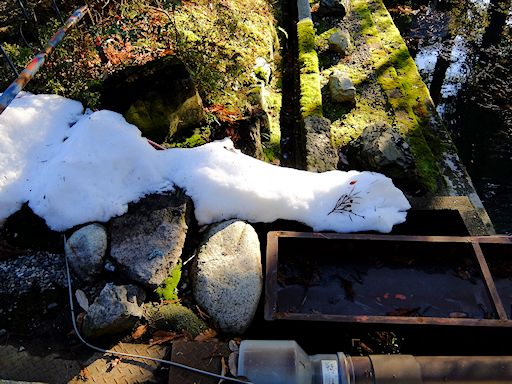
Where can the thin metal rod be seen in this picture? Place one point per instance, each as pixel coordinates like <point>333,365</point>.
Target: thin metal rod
<point>23,36</point>
<point>57,11</point>
<point>25,12</point>
<point>30,70</point>
<point>9,61</point>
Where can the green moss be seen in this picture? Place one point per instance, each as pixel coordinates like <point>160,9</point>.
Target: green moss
<point>152,117</point>
<point>198,137</point>
<point>306,33</point>
<point>220,41</point>
<point>390,90</point>
<point>310,95</point>
<point>169,289</point>
<point>308,62</point>
<point>308,58</point>
<point>272,146</point>
<point>174,317</point>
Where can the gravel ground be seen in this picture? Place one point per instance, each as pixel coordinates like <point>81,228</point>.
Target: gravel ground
<point>36,270</point>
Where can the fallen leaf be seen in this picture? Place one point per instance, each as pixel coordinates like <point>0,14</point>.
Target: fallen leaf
<point>233,363</point>
<point>161,337</point>
<point>84,374</point>
<point>202,314</point>
<point>224,369</point>
<point>206,335</point>
<point>82,300</point>
<point>113,363</point>
<point>233,345</point>
<point>139,331</point>
<point>80,319</point>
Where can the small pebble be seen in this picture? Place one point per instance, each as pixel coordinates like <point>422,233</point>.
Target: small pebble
<point>109,267</point>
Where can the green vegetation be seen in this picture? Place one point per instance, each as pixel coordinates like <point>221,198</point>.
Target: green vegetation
<point>218,41</point>
<point>389,89</point>
<point>174,317</point>
<point>169,289</point>
<point>271,141</point>
<point>310,92</point>
<point>198,137</point>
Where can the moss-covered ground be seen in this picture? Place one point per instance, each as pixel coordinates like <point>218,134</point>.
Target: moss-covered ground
<point>218,41</point>
<point>310,95</point>
<point>389,87</point>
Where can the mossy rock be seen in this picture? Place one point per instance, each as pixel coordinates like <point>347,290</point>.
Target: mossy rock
<point>174,317</point>
<point>160,98</point>
<point>310,95</point>
<point>308,59</point>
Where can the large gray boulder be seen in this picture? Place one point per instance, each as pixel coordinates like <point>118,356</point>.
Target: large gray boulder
<point>227,276</point>
<point>85,250</point>
<point>147,241</point>
<point>341,88</point>
<point>115,310</point>
<point>320,154</point>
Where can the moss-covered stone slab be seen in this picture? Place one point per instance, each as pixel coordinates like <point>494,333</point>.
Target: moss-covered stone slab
<point>389,88</point>
<point>310,93</point>
<point>160,98</point>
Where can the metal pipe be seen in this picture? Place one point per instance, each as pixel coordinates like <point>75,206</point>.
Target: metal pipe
<point>30,70</point>
<point>284,362</point>
<point>465,369</point>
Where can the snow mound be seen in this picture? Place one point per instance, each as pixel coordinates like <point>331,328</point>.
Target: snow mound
<point>74,168</point>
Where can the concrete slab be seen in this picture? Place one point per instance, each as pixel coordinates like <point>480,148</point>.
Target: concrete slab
<point>472,217</point>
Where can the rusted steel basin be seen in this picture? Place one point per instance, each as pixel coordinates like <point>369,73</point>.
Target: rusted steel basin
<point>389,279</point>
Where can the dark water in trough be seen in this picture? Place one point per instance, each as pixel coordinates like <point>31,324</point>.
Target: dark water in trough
<point>463,51</point>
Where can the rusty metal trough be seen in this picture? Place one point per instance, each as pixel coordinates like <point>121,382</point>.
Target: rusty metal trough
<point>389,279</point>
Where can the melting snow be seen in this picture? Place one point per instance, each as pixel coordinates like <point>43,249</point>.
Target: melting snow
<point>74,168</point>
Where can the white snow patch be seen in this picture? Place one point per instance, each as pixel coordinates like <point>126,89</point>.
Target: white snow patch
<point>105,163</point>
<point>32,129</point>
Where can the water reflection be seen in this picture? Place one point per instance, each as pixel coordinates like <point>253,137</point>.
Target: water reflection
<point>458,48</point>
